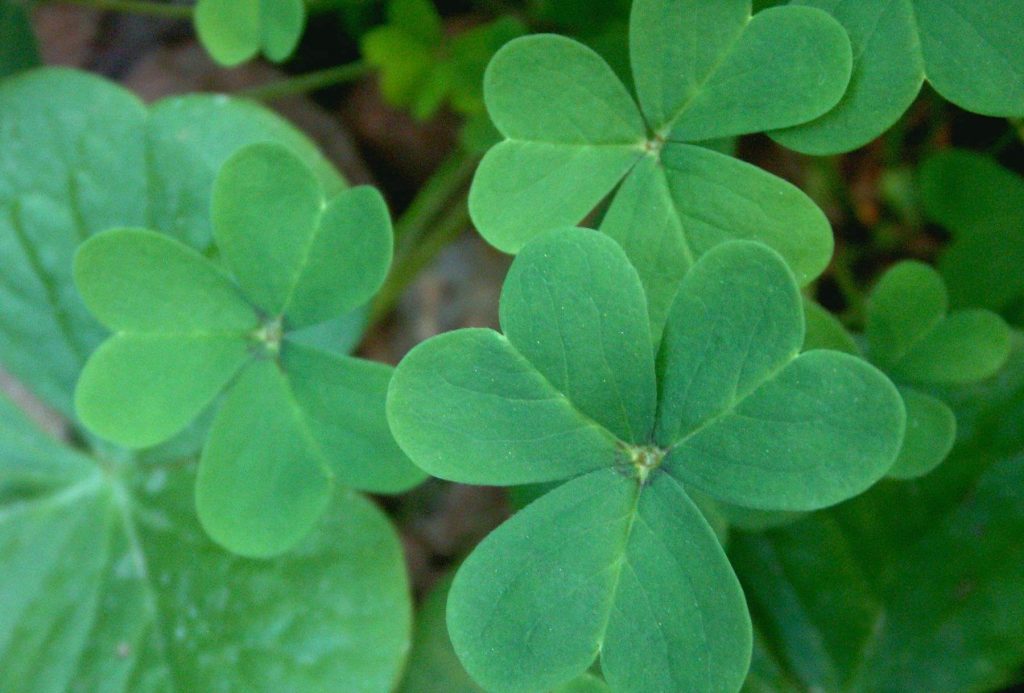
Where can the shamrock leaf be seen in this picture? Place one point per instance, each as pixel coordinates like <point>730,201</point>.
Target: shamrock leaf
<point>234,31</point>
<point>81,155</point>
<point>912,337</point>
<point>982,204</point>
<point>420,68</point>
<point>573,390</point>
<point>434,666</point>
<point>702,71</point>
<point>293,418</point>
<point>968,50</point>
<point>109,584</point>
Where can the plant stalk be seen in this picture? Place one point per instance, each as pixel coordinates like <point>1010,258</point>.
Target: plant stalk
<point>304,84</point>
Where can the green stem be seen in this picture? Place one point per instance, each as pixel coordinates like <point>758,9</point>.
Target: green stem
<point>143,7</point>
<point>304,84</point>
<point>450,179</point>
<point>408,266</point>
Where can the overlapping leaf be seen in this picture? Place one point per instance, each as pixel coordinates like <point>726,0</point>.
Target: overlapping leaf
<point>913,338</point>
<point>619,561</point>
<point>294,418</point>
<point>702,71</point>
<point>912,586</point>
<point>234,31</point>
<point>982,205</point>
<point>970,51</point>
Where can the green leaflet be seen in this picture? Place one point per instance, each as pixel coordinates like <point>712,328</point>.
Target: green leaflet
<point>912,338</point>
<point>970,51</point>
<point>421,69</point>
<point>982,205</point>
<point>110,584</point>
<point>644,586</point>
<point>702,71</point>
<point>234,31</point>
<point>293,417</point>
<point>18,49</point>
<point>435,668</point>
<point>83,155</point>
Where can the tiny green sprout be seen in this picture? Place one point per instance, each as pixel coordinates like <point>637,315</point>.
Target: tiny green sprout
<point>188,332</point>
<point>575,135</point>
<point>234,31</point>
<point>619,561</point>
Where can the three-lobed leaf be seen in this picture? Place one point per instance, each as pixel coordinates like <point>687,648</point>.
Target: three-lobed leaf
<point>234,31</point>
<point>573,132</point>
<point>570,392</point>
<point>293,417</point>
<point>968,50</point>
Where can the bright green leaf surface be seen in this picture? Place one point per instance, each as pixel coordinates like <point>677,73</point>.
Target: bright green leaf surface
<point>262,483</point>
<point>576,311</point>
<point>741,414</point>
<point>347,259</point>
<point>135,280</point>
<point>82,155</point>
<point>665,216</point>
<point>604,600</point>
<point>467,406</point>
<point>18,49</point>
<point>931,432</point>
<point>702,71</point>
<point>266,208</point>
<point>970,51</point>
<point>982,204</point>
<point>109,584</point>
<point>341,400</point>
<point>292,253</point>
<point>788,66</point>
<point>140,389</point>
<point>234,31</point>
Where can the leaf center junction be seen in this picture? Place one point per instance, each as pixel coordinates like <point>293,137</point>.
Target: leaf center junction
<point>267,338</point>
<point>645,459</point>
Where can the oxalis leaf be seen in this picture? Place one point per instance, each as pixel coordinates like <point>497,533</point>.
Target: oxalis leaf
<point>702,71</point>
<point>80,155</point>
<point>916,341</point>
<point>970,51</point>
<point>234,31</point>
<point>618,561</point>
<point>294,418</point>
<point>109,584</point>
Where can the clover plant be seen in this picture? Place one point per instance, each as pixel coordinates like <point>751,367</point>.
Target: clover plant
<point>702,71</point>
<point>911,337</point>
<point>293,418</point>
<point>982,205</point>
<point>108,582</point>
<point>234,31</point>
<point>970,51</point>
<point>618,560</point>
<point>421,69</point>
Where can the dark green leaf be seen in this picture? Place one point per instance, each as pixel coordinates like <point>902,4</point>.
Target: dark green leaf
<point>18,49</point>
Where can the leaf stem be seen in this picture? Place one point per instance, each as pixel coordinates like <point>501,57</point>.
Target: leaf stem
<point>409,264</point>
<point>304,84</point>
<point>143,7</point>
